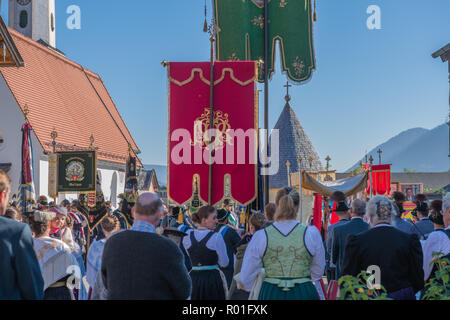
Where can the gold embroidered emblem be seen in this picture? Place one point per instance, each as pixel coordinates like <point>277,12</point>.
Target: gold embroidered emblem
<point>75,171</point>
<point>258,21</point>
<point>221,124</point>
<point>299,66</point>
<point>283,3</point>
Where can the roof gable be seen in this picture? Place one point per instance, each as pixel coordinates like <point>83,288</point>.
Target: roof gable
<point>294,143</point>
<point>9,55</point>
<point>62,95</point>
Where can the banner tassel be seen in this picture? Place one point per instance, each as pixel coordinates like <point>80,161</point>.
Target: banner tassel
<point>205,25</point>
<point>315,14</point>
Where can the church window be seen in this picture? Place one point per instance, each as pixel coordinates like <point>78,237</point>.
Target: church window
<point>52,22</point>
<point>23,19</point>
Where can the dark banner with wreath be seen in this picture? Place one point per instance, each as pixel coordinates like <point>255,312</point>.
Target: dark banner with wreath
<point>77,171</point>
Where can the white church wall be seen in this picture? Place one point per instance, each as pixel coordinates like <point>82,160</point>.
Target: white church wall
<point>11,121</point>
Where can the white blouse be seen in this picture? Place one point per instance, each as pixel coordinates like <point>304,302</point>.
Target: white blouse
<point>437,241</point>
<point>256,248</point>
<point>215,243</point>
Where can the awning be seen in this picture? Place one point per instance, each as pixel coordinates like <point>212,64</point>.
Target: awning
<point>349,186</point>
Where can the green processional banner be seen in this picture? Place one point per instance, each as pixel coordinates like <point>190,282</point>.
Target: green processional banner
<point>241,34</point>
<point>77,171</point>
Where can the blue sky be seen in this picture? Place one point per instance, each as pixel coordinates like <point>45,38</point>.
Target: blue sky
<point>369,84</point>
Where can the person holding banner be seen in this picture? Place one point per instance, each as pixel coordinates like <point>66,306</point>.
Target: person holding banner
<point>292,255</point>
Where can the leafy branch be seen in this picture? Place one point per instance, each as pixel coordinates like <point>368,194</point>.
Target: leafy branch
<point>355,288</point>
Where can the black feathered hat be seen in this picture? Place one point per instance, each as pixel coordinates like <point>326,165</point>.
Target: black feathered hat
<point>222,214</point>
<point>342,207</point>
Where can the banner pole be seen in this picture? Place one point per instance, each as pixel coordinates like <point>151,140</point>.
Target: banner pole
<point>266,95</point>
<point>212,32</point>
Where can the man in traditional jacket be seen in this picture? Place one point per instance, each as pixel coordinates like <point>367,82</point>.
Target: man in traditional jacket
<point>397,255</point>
<point>402,225</point>
<point>340,233</point>
<point>424,226</point>
<point>342,211</point>
<point>138,264</point>
<point>20,274</point>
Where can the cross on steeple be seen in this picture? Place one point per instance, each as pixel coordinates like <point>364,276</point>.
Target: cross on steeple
<point>287,86</point>
<point>379,154</point>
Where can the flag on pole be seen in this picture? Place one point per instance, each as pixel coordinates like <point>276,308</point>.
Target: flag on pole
<point>27,194</point>
<point>381,180</point>
<point>235,123</point>
<point>317,217</point>
<point>131,187</point>
<point>241,34</point>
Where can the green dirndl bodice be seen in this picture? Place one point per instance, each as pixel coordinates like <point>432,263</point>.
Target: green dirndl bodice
<point>287,264</point>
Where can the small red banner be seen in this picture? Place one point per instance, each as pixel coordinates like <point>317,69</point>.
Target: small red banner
<point>381,180</point>
<point>235,108</point>
<point>317,218</point>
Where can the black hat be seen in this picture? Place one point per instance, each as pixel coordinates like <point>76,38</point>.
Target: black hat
<point>174,232</point>
<point>176,210</point>
<point>342,207</point>
<point>65,203</point>
<point>400,208</point>
<point>222,214</point>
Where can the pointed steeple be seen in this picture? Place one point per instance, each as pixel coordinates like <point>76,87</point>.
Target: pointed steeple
<point>294,143</point>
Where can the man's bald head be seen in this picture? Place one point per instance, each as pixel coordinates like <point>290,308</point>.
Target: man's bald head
<point>148,204</point>
<point>358,207</point>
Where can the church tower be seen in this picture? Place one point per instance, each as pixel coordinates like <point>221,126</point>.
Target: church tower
<point>34,19</point>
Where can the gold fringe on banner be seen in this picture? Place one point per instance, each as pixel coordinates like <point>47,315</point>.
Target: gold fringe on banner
<point>180,217</point>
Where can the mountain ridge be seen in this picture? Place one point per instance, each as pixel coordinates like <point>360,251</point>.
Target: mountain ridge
<point>416,149</point>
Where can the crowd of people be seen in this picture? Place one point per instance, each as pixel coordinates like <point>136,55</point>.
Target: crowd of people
<point>168,255</point>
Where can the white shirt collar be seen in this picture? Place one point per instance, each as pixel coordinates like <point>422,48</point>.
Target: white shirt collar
<point>383,225</point>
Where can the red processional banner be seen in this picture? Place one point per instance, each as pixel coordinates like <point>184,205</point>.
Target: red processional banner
<point>317,217</point>
<point>381,180</point>
<point>235,123</point>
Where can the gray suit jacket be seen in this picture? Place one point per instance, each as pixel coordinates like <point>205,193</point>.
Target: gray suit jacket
<point>422,228</point>
<point>329,242</point>
<point>340,235</point>
<point>402,225</point>
<point>20,274</point>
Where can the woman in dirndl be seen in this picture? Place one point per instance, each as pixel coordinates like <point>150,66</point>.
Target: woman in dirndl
<point>208,252</point>
<point>292,255</point>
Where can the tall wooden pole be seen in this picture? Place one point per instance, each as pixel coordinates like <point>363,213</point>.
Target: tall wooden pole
<point>266,94</point>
